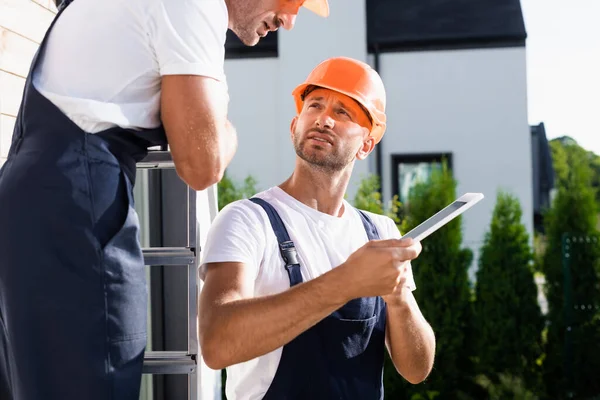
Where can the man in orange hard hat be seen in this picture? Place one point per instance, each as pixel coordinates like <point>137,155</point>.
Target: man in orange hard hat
<point>111,78</point>
<point>303,292</point>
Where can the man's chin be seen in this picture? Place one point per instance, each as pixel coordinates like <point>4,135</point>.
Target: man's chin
<point>249,39</point>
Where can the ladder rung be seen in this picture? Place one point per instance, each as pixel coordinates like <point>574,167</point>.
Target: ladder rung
<point>168,256</point>
<point>156,159</point>
<point>169,362</point>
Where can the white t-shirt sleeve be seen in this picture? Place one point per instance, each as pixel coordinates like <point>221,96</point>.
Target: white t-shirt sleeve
<point>235,236</point>
<point>188,37</point>
<point>392,232</point>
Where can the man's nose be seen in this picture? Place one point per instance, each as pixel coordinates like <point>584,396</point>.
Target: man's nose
<point>324,120</point>
<point>288,21</point>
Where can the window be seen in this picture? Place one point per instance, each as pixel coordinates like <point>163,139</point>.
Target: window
<point>409,169</point>
<point>266,47</point>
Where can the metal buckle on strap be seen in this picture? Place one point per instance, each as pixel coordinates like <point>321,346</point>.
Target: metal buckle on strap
<point>288,252</point>
<point>61,4</point>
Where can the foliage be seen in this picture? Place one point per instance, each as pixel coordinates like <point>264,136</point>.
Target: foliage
<point>564,147</point>
<point>368,198</point>
<point>572,362</point>
<point>508,319</point>
<point>506,386</point>
<point>429,395</point>
<point>229,191</point>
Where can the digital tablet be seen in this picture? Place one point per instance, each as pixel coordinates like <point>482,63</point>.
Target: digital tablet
<point>447,214</point>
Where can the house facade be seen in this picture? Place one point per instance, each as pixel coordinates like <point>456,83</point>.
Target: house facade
<point>455,75</point>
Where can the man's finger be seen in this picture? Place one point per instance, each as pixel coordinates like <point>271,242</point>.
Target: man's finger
<point>407,253</point>
<point>404,242</point>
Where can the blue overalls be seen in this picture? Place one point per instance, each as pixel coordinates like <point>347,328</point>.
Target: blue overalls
<point>73,293</point>
<point>342,356</point>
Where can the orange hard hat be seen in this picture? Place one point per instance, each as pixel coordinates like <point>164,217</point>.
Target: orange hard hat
<point>356,80</point>
<point>319,7</point>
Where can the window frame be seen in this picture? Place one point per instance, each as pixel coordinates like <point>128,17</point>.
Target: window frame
<point>414,158</point>
<point>267,47</point>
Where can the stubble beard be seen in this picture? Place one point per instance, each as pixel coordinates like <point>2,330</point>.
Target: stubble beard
<point>243,27</point>
<point>330,163</point>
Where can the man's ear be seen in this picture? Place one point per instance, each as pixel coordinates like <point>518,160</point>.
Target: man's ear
<point>366,148</point>
<point>293,125</point>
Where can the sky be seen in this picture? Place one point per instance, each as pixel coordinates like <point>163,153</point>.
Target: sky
<point>563,68</point>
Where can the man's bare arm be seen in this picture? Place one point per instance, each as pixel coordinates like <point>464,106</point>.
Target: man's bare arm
<point>409,338</point>
<point>234,327</point>
<point>201,138</point>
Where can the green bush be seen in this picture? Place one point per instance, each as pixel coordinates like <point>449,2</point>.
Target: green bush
<point>508,319</point>
<point>569,145</point>
<point>368,198</point>
<point>572,362</point>
<point>228,191</point>
<point>505,386</point>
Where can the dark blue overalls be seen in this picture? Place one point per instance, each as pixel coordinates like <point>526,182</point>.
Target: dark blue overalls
<point>342,356</point>
<point>73,292</point>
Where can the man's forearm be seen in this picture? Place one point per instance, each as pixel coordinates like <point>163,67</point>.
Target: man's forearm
<point>229,143</point>
<point>241,330</point>
<point>411,340</point>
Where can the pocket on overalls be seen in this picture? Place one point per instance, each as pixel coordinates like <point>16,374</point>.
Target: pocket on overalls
<point>353,350</point>
<point>348,338</point>
<point>349,329</point>
<point>125,286</point>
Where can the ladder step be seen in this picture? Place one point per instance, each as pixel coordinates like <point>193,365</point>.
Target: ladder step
<point>156,159</point>
<point>168,362</point>
<point>168,256</point>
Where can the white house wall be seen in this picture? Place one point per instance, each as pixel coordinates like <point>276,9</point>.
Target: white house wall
<point>473,104</point>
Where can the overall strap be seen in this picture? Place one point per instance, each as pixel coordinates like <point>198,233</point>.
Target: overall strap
<point>369,225</point>
<point>64,4</point>
<point>286,246</point>
<point>34,61</point>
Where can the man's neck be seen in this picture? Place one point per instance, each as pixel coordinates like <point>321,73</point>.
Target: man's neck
<point>322,190</point>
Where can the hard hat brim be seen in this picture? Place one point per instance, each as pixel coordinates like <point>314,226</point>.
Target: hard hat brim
<point>379,125</point>
<point>319,7</point>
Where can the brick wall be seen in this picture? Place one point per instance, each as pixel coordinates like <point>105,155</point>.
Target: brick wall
<point>22,27</point>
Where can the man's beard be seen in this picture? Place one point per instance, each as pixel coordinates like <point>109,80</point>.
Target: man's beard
<point>335,161</point>
<point>247,35</point>
<point>244,28</point>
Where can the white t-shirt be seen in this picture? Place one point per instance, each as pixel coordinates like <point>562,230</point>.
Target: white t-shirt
<point>241,232</point>
<point>104,59</point>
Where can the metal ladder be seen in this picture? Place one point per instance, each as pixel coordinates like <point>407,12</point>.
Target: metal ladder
<point>179,362</point>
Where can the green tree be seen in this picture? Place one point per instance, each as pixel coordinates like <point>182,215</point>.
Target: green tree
<point>368,198</point>
<point>506,387</point>
<point>443,291</point>
<point>229,191</point>
<point>561,148</point>
<point>508,319</point>
<point>572,362</point>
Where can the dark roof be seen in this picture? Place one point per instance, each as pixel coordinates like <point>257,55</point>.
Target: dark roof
<point>418,24</point>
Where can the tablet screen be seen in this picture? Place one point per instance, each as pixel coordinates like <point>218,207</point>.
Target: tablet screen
<point>436,219</point>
